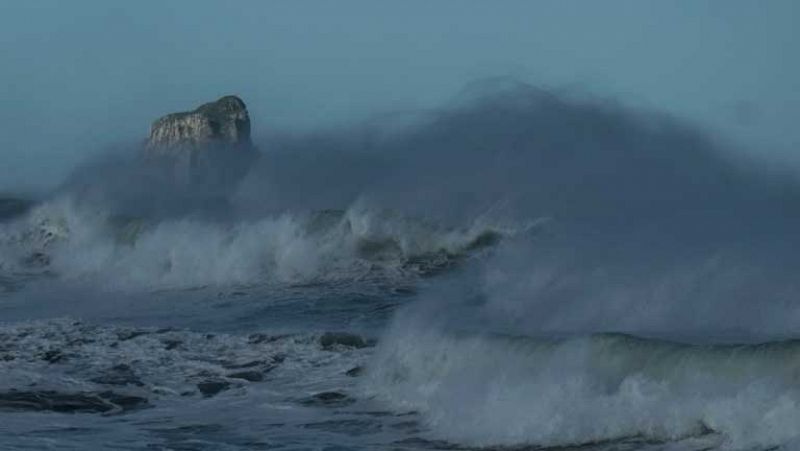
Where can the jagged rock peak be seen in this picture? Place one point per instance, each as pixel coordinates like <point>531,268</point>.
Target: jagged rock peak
<point>224,122</point>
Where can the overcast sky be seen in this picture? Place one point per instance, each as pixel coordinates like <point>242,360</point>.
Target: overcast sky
<point>77,76</point>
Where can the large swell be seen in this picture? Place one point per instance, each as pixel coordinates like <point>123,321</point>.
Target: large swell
<point>539,270</point>
<point>486,390</point>
<point>79,242</point>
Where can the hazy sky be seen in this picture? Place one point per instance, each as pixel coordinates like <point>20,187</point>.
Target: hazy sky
<point>77,76</point>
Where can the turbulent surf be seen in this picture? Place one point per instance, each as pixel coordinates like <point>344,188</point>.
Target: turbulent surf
<point>519,270</point>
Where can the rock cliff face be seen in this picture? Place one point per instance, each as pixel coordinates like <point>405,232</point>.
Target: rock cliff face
<point>208,147</point>
<point>224,122</point>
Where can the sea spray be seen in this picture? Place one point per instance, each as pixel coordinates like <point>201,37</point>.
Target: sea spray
<point>77,241</point>
<point>653,306</point>
<point>489,390</point>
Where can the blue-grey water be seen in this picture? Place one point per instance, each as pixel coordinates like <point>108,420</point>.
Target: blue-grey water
<point>519,273</point>
<point>269,350</point>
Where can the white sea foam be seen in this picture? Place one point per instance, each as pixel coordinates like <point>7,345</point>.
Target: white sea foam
<point>165,362</point>
<point>78,241</point>
<point>493,390</point>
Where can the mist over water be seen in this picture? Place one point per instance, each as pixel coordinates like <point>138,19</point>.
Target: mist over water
<point>578,269</point>
<point>644,223</point>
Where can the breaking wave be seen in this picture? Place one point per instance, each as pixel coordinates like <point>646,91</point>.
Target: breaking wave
<point>74,241</point>
<point>537,335</point>
<point>486,390</point>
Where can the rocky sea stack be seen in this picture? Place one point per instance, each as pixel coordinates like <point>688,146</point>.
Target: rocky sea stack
<point>208,147</point>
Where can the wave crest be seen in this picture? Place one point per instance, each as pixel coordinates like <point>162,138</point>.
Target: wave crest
<point>495,390</point>
<point>75,241</point>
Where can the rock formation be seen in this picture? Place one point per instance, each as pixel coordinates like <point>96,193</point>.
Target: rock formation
<point>209,147</point>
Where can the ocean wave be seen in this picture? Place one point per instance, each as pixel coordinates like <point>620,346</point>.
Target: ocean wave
<point>483,390</point>
<point>76,241</point>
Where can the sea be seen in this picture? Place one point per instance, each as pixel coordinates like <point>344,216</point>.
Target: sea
<point>518,271</point>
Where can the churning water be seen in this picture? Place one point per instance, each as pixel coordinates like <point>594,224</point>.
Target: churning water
<point>521,271</point>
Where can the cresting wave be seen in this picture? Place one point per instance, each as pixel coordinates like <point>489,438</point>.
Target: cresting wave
<point>74,241</point>
<point>652,230</point>
<point>487,390</point>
